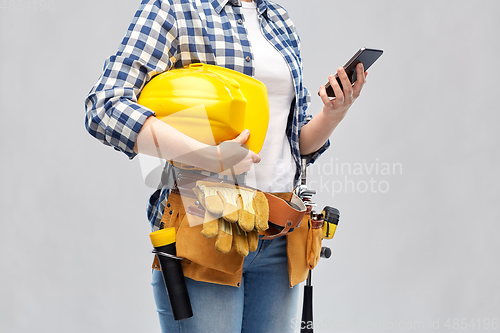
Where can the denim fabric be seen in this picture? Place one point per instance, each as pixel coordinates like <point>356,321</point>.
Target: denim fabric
<point>263,303</point>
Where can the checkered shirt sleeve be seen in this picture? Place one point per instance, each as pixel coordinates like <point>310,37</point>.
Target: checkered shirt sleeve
<point>149,47</point>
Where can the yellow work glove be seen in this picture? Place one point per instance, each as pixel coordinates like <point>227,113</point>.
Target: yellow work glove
<point>255,212</point>
<point>232,214</point>
<point>213,223</point>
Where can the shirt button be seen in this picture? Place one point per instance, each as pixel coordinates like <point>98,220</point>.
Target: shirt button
<point>235,3</point>
<point>248,58</point>
<point>240,21</point>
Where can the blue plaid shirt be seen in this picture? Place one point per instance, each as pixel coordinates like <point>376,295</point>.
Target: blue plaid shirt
<point>173,34</point>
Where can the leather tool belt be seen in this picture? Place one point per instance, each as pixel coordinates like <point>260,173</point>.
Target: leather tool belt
<point>284,215</point>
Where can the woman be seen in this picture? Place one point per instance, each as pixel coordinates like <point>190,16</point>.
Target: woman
<point>255,38</point>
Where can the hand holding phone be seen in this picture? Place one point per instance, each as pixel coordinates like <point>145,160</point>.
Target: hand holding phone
<point>366,56</point>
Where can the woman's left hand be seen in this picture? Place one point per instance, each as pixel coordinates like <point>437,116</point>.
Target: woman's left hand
<point>337,108</point>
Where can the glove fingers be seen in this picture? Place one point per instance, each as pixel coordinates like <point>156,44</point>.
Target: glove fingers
<point>240,241</point>
<point>246,221</point>
<point>214,205</point>
<point>247,214</point>
<point>247,198</point>
<point>212,200</point>
<point>210,225</point>
<point>253,240</point>
<point>261,207</point>
<point>211,221</point>
<point>229,201</point>
<point>224,238</point>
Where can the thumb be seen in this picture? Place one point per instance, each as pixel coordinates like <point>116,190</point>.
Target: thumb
<point>243,137</point>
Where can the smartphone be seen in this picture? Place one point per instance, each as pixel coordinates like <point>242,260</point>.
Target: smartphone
<point>365,56</point>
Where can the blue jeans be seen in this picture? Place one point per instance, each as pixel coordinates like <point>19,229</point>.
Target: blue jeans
<point>264,302</point>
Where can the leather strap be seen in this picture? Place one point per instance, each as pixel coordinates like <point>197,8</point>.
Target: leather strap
<point>317,224</point>
<point>287,215</point>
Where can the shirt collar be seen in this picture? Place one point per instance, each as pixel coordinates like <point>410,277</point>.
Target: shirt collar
<point>219,5</point>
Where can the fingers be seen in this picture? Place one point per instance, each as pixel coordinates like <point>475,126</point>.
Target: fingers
<point>238,166</point>
<point>339,95</point>
<point>255,157</point>
<point>358,85</point>
<point>346,84</point>
<point>324,96</point>
<point>235,156</point>
<point>240,150</point>
<point>243,137</point>
<point>347,93</point>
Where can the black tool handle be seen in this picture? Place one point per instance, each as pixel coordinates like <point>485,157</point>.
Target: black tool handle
<point>175,282</point>
<point>307,311</point>
<point>307,307</point>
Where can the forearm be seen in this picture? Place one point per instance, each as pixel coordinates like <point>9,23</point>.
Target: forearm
<point>316,132</point>
<point>159,139</point>
<point>156,138</point>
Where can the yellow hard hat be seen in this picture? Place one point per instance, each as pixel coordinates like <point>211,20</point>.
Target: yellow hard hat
<point>210,103</point>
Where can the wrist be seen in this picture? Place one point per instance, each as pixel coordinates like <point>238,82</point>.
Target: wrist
<point>332,116</point>
<point>204,156</point>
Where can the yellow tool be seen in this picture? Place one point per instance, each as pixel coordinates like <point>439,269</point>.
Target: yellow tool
<point>331,216</point>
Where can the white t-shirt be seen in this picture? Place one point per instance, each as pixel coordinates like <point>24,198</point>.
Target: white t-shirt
<point>276,171</point>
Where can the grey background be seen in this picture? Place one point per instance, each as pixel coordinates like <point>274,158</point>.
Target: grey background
<point>417,250</point>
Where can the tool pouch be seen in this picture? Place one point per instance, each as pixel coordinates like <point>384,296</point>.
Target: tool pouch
<point>313,246</point>
<point>180,213</point>
<point>202,261</point>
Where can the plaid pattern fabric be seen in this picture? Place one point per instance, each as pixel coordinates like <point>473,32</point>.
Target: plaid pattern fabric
<point>173,34</point>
